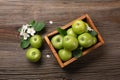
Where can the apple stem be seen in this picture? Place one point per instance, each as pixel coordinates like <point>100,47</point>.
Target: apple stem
<point>82,39</point>
<point>33,53</point>
<point>35,39</point>
<point>58,40</point>
<point>78,24</point>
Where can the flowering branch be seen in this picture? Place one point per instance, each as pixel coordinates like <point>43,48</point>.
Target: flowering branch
<point>28,30</point>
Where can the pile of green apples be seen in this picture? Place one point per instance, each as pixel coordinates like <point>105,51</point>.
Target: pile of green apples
<point>33,54</point>
<point>77,36</point>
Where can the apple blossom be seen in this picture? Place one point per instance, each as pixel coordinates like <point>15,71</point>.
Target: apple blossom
<point>89,28</point>
<point>31,31</point>
<point>51,22</point>
<point>48,56</point>
<point>25,36</point>
<point>24,28</point>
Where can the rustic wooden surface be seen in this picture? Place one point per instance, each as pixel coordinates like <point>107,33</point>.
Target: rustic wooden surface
<point>101,64</point>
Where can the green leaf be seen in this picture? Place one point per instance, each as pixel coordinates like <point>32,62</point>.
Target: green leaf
<point>32,22</point>
<point>81,48</point>
<point>62,31</point>
<point>77,53</point>
<point>93,33</point>
<point>35,24</point>
<point>39,26</point>
<point>25,43</point>
<point>19,30</point>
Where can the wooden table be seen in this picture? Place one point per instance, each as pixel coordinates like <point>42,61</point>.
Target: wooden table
<point>101,64</point>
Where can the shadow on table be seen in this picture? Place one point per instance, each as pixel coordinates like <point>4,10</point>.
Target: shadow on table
<point>36,64</point>
<point>85,60</point>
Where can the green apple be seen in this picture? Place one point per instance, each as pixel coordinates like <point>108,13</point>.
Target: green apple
<point>79,26</point>
<point>71,33</point>
<point>57,41</point>
<point>94,40</point>
<point>85,40</point>
<point>33,54</point>
<point>70,43</point>
<point>36,41</point>
<point>64,54</point>
<point>87,26</point>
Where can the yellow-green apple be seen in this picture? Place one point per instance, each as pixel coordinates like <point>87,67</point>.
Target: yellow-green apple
<point>33,54</point>
<point>71,33</point>
<point>85,40</point>
<point>70,43</point>
<point>57,41</point>
<point>64,54</point>
<point>79,27</point>
<point>36,41</point>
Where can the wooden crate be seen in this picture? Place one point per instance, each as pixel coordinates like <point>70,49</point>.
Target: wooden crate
<point>86,18</point>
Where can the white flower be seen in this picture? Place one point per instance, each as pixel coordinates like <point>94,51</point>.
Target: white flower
<point>51,22</point>
<point>89,28</point>
<point>48,56</point>
<point>31,31</point>
<point>25,36</point>
<point>28,25</point>
<point>23,29</point>
<point>21,32</point>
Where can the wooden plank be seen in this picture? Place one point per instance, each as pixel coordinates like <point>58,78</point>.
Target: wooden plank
<point>101,64</point>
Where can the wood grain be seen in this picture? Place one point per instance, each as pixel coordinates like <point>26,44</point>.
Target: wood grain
<point>101,64</point>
